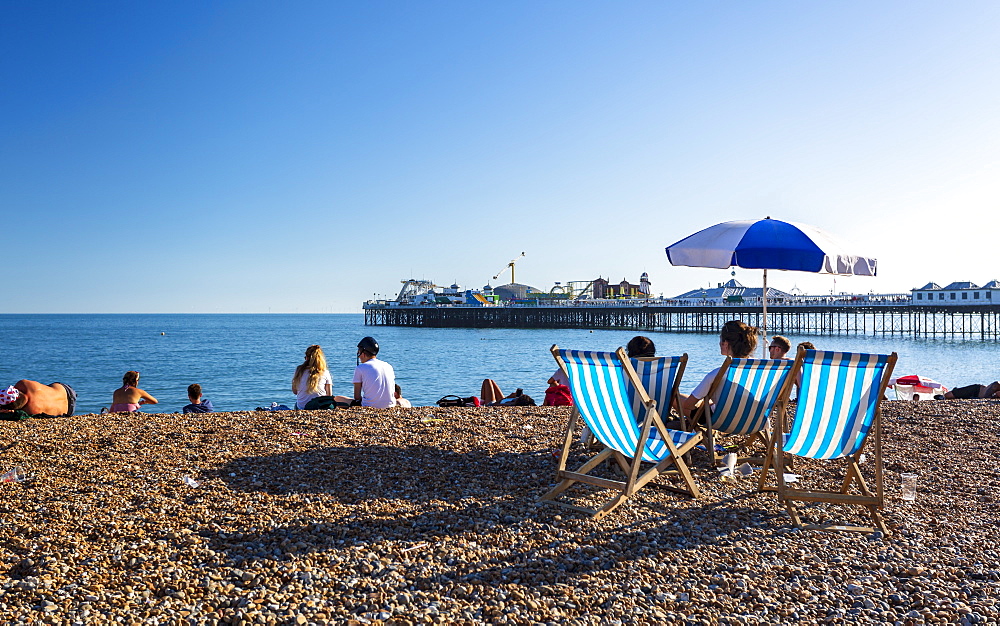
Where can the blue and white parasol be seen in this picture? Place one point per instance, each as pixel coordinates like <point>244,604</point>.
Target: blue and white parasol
<point>769,245</point>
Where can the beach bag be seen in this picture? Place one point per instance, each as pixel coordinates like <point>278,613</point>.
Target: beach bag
<point>457,401</point>
<point>321,403</point>
<point>558,395</point>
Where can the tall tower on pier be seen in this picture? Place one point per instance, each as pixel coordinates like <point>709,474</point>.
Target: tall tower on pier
<point>644,284</point>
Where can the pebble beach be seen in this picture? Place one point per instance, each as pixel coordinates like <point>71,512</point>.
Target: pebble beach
<point>429,515</point>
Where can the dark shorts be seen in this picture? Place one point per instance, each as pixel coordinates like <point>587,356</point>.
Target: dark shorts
<point>969,392</point>
<point>70,399</point>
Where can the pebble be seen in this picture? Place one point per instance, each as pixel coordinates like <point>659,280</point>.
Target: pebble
<point>380,517</point>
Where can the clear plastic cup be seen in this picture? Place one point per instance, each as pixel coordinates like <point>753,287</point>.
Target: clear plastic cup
<point>909,487</point>
<point>15,475</point>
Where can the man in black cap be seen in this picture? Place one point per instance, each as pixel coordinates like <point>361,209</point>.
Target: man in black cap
<point>374,380</point>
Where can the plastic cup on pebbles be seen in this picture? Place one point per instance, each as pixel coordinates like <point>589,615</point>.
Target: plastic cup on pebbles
<point>13,475</point>
<point>909,487</point>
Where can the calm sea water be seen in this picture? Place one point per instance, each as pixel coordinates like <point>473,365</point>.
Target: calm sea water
<point>245,361</point>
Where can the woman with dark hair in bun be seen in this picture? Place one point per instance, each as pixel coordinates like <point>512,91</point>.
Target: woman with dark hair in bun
<point>736,340</point>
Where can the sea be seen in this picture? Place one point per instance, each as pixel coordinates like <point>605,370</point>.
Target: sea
<point>244,361</point>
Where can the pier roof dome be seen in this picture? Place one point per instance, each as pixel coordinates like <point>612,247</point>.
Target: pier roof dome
<point>515,291</point>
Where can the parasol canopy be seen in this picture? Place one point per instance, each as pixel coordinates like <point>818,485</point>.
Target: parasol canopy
<point>769,244</point>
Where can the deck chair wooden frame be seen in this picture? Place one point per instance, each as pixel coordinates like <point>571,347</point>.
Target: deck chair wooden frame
<point>598,381</point>
<point>838,412</point>
<point>747,392</point>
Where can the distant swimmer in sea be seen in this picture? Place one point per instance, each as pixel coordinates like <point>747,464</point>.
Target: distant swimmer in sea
<point>29,398</point>
<point>198,405</point>
<point>128,398</point>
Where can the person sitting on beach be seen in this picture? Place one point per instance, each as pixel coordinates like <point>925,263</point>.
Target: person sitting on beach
<point>197,404</point>
<point>492,396</point>
<point>736,340</point>
<point>639,347</point>
<point>974,392</point>
<point>313,385</point>
<point>374,379</point>
<point>128,398</point>
<point>28,398</point>
<point>806,345</point>
<point>779,347</point>
<point>400,400</point>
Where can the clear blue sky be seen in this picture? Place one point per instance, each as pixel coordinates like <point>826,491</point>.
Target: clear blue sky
<point>303,156</point>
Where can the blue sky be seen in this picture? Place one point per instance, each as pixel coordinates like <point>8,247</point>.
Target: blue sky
<point>303,156</point>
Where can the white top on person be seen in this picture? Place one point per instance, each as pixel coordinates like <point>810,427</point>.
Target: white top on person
<point>374,380</point>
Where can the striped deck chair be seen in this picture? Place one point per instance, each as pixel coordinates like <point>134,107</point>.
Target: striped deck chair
<point>838,410</point>
<point>746,391</point>
<point>600,384</point>
<point>661,378</point>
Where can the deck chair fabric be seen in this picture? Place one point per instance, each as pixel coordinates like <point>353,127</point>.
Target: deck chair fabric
<point>745,393</point>
<point>600,383</point>
<point>838,411</point>
<point>660,377</point>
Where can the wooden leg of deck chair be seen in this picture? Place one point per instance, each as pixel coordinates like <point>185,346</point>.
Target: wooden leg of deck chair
<point>611,505</point>
<point>854,471</point>
<point>748,443</point>
<point>688,478</point>
<point>768,463</point>
<point>877,518</point>
<point>566,483</point>
<point>793,513</point>
<point>682,470</point>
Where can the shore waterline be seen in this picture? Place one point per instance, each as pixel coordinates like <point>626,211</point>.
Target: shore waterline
<point>245,361</point>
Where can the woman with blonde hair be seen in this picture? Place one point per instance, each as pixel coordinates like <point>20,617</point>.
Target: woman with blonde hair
<point>736,340</point>
<point>311,379</point>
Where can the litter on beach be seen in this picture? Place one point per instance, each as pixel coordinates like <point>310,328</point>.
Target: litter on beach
<point>13,475</point>
<point>190,482</point>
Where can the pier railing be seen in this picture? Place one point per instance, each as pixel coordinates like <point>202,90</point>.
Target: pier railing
<point>855,317</point>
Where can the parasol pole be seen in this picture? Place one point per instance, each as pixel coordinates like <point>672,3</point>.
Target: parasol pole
<point>763,346</point>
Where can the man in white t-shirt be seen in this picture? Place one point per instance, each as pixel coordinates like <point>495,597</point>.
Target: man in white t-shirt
<point>374,380</point>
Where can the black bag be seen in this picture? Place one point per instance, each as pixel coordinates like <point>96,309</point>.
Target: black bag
<point>457,401</point>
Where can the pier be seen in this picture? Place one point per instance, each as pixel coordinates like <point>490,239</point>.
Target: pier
<point>979,321</point>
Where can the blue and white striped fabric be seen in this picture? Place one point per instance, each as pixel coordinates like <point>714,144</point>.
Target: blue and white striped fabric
<point>838,396</point>
<point>601,394</point>
<point>658,377</point>
<point>748,393</point>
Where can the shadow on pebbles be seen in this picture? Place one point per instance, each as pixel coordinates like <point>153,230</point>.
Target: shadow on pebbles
<point>428,515</point>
